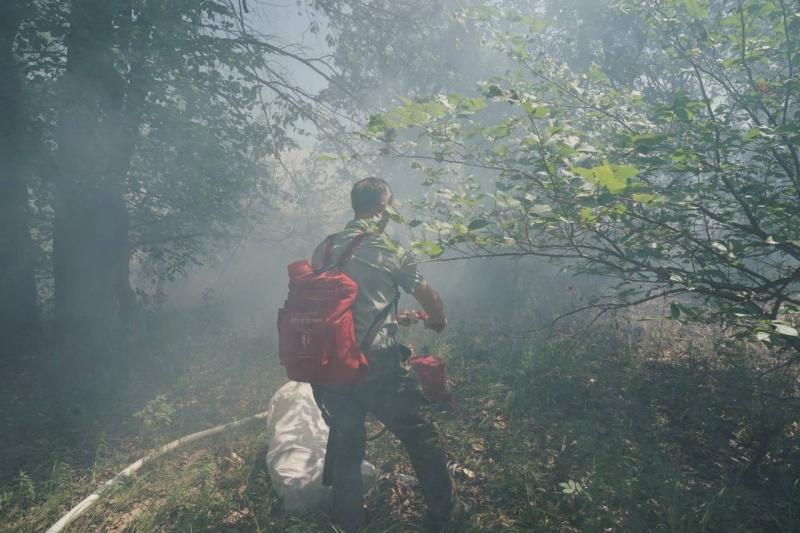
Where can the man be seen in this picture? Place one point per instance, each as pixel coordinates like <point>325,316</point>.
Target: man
<point>390,392</point>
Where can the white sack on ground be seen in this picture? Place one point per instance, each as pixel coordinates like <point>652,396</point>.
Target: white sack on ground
<point>297,439</point>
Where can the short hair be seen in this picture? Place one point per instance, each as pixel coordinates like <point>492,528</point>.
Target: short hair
<point>370,194</point>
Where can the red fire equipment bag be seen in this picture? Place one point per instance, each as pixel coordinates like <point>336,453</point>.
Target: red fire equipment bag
<point>432,375</point>
<point>316,334</point>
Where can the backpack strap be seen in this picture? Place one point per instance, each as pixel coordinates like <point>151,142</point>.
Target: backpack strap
<point>350,251</point>
<point>327,251</point>
<point>343,259</point>
<point>347,255</point>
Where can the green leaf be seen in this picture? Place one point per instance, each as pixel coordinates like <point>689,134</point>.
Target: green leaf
<point>695,10</point>
<point>492,91</point>
<point>381,127</point>
<point>394,215</point>
<point>783,329</point>
<point>624,172</point>
<point>719,247</point>
<point>647,142</point>
<point>605,176</point>
<point>463,104</point>
<point>588,215</point>
<point>460,229</point>
<point>389,245</point>
<point>534,110</point>
<point>645,198</point>
<point>584,172</point>
<point>477,224</point>
<point>752,134</point>
<point>429,248</point>
<point>571,487</point>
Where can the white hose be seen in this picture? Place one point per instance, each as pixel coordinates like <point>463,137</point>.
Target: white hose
<point>93,498</point>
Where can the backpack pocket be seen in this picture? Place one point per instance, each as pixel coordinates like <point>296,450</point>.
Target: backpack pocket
<point>304,345</point>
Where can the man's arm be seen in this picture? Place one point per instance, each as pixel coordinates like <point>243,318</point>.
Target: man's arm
<point>432,304</point>
<point>409,278</point>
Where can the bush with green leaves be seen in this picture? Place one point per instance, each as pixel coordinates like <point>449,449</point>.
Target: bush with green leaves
<point>681,183</point>
<point>156,418</point>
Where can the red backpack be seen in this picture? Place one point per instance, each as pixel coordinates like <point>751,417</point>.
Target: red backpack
<point>316,333</point>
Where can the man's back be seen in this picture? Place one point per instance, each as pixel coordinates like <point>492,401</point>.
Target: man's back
<point>380,268</point>
<point>390,392</point>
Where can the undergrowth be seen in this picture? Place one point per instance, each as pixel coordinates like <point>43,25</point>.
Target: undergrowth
<point>576,431</point>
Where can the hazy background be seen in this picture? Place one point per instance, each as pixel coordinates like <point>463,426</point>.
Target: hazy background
<point>161,163</point>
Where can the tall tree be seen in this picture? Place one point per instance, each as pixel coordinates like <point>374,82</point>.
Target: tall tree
<point>90,253</point>
<point>168,112</point>
<point>19,313</point>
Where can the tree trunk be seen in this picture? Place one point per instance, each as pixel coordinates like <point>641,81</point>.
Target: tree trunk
<point>91,250</point>
<point>90,265</point>
<point>19,313</point>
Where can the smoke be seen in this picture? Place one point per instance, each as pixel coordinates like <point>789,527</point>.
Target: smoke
<point>247,280</point>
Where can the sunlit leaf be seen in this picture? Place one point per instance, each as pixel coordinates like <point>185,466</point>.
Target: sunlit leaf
<point>429,248</point>
<point>783,329</point>
<point>645,198</point>
<point>752,134</point>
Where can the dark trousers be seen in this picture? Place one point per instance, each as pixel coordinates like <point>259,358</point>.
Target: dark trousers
<point>393,395</point>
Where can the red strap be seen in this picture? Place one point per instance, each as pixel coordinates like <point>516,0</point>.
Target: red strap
<point>327,251</point>
<point>347,255</point>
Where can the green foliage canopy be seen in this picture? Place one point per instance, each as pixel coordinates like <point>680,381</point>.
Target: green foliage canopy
<point>684,180</point>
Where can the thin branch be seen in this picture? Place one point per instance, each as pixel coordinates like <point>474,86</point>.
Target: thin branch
<point>249,41</point>
<point>500,254</point>
<point>789,61</point>
<point>746,64</point>
<point>163,239</point>
<point>604,307</point>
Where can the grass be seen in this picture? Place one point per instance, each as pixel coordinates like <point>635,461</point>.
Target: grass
<point>590,432</point>
<point>578,436</point>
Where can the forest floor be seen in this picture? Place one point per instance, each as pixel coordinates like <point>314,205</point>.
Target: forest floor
<point>580,431</point>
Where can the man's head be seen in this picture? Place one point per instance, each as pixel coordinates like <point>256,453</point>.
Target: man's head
<point>370,197</point>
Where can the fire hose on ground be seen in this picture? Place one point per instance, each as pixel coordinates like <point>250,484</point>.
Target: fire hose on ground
<point>91,500</point>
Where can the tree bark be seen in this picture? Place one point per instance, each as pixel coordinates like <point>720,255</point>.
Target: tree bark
<point>97,131</point>
<point>19,312</point>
